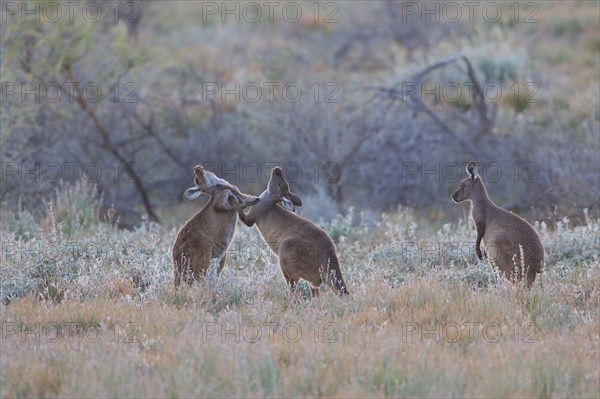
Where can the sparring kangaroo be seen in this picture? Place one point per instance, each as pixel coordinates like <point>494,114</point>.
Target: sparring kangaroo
<point>304,250</point>
<point>201,244</point>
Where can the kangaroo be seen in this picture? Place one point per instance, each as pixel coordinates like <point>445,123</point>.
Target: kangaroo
<point>505,235</point>
<point>304,250</point>
<point>200,246</point>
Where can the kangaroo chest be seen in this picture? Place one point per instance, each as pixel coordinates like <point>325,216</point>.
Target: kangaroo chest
<point>275,227</point>
<point>269,235</point>
<point>226,234</point>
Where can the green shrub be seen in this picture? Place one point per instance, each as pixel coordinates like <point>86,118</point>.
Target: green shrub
<point>570,28</point>
<point>76,207</point>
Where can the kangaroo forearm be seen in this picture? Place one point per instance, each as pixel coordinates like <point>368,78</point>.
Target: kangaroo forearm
<point>245,218</point>
<point>480,231</point>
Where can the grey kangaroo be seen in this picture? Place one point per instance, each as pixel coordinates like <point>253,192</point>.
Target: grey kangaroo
<point>200,246</point>
<point>304,250</point>
<point>503,233</point>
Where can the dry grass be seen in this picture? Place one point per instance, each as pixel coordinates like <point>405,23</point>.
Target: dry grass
<point>432,324</point>
<point>87,310</point>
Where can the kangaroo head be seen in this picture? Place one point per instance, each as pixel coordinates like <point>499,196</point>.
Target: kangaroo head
<point>206,182</point>
<point>469,185</point>
<point>279,189</point>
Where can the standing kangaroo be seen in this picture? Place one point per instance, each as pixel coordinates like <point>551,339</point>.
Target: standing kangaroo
<point>201,243</point>
<point>304,250</point>
<point>505,235</point>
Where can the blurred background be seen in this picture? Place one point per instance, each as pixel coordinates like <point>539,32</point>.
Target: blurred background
<point>367,105</point>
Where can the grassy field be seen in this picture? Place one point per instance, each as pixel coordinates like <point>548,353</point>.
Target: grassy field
<point>90,311</point>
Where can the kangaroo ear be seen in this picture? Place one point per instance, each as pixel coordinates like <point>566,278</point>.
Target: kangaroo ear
<point>295,199</point>
<point>287,204</point>
<point>472,170</point>
<point>192,193</point>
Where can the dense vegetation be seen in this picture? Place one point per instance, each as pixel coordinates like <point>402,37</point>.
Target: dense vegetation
<point>389,113</point>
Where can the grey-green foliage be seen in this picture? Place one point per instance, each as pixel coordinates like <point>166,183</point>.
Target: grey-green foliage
<point>71,255</point>
<point>167,126</point>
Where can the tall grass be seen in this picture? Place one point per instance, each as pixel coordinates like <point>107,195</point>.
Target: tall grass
<point>88,310</point>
